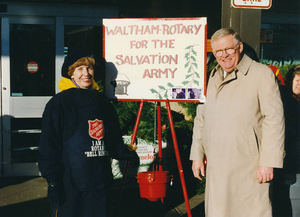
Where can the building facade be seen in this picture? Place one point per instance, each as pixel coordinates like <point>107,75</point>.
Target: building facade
<point>36,35</point>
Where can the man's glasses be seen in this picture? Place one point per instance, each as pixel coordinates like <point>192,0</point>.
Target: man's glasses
<point>228,50</point>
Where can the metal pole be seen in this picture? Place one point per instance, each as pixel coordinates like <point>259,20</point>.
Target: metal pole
<point>159,136</point>
<point>180,169</point>
<point>136,126</point>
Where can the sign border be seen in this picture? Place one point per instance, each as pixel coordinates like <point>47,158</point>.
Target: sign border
<point>164,100</point>
<point>253,7</point>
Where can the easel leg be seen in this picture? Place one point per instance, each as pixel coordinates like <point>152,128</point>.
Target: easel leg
<point>159,136</point>
<point>186,199</point>
<point>136,126</point>
<point>159,140</point>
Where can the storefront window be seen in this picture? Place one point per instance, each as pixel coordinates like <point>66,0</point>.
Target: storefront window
<point>32,60</point>
<point>280,44</point>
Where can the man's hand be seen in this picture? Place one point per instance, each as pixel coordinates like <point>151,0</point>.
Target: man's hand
<point>197,167</point>
<point>264,174</point>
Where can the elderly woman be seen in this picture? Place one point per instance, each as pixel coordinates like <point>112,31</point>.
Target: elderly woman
<point>287,182</point>
<point>80,133</point>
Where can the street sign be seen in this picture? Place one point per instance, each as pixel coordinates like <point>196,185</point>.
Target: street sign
<point>252,4</point>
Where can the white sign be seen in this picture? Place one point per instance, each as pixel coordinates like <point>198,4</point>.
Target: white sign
<point>146,152</point>
<point>155,58</point>
<point>255,4</point>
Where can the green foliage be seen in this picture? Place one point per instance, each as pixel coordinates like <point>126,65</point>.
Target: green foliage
<point>184,130</point>
<point>128,111</point>
<point>191,108</point>
<point>191,65</point>
<point>285,68</point>
<point>148,123</point>
<point>201,186</point>
<point>101,88</point>
<point>162,92</point>
<point>211,65</point>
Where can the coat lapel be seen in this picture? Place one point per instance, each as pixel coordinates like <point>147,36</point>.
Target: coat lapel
<point>242,67</point>
<point>231,77</point>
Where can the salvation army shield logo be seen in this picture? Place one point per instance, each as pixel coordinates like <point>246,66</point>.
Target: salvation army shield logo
<point>96,129</point>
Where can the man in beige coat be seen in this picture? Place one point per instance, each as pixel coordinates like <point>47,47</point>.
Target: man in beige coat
<point>240,129</point>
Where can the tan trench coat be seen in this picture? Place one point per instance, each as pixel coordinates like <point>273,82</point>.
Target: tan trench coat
<point>240,127</point>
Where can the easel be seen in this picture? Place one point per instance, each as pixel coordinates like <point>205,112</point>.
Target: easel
<point>175,144</point>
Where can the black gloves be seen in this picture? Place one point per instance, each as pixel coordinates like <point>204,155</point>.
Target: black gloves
<point>135,160</point>
<point>130,156</point>
<point>55,193</point>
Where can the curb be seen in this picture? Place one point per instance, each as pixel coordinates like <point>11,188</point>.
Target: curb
<point>180,210</point>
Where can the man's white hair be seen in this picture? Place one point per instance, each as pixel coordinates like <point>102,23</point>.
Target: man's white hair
<point>224,32</point>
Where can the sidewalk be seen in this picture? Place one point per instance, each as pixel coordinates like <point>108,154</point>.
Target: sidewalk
<point>26,197</point>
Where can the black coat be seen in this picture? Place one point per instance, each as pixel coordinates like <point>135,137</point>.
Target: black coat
<point>292,130</point>
<point>80,133</point>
